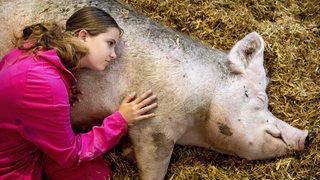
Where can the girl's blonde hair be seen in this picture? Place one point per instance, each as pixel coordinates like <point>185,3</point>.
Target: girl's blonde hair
<point>46,36</point>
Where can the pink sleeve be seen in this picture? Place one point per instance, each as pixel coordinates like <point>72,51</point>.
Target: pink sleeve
<point>102,138</point>
<point>44,119</point>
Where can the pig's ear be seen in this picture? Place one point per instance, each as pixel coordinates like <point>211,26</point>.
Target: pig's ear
<point>247,54</point>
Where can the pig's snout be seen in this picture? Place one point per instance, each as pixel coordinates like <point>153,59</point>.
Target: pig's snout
<point>294,138</point>
<point>298,140</point>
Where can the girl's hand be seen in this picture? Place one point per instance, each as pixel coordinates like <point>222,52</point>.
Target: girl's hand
<point>134,110</point>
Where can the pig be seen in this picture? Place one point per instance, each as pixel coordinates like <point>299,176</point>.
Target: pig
<point>206,97</point>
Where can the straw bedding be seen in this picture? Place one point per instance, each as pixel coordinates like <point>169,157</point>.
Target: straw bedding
<point>291,32</point>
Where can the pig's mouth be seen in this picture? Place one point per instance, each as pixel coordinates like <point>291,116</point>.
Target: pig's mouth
<point>273,145</point>
<point>278,140</point>
<point>275,133</point>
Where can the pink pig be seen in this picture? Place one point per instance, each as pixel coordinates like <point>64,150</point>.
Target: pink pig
<point>206,98</point>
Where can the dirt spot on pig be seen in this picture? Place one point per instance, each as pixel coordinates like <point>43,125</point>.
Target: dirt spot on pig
<point>163,145</point>
<point>224,129</point>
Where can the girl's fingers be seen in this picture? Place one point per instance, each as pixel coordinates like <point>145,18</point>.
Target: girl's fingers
<point>146,101</point>
<point>144,110</point>
<point>146,116</point>
<point>143,96</point>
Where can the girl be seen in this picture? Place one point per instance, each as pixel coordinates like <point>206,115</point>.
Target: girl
<point>36,139</point>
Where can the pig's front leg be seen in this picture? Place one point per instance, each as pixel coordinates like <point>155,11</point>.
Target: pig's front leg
<point>153,152</point>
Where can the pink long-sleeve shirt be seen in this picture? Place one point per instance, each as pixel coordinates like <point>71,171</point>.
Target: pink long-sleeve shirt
<point>35,117</point>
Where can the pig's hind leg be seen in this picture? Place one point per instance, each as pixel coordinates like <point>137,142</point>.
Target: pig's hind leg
<point>153,152</point>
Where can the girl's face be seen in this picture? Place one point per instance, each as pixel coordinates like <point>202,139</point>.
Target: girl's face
<point>101,48</point>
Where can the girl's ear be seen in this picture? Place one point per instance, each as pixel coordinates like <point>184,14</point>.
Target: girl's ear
<point>83,34</point>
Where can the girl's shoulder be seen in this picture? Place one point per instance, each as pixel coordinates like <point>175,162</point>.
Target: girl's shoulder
<point>21,59</point>
<point>44,64</point>
<point>51,57</point>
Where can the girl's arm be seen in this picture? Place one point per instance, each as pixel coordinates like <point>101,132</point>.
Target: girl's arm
<point>45,121</point>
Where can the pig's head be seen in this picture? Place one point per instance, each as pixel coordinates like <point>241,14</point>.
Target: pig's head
<point>240,122</point>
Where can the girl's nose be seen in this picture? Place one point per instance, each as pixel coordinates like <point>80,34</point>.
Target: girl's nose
<point>113,54</point>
